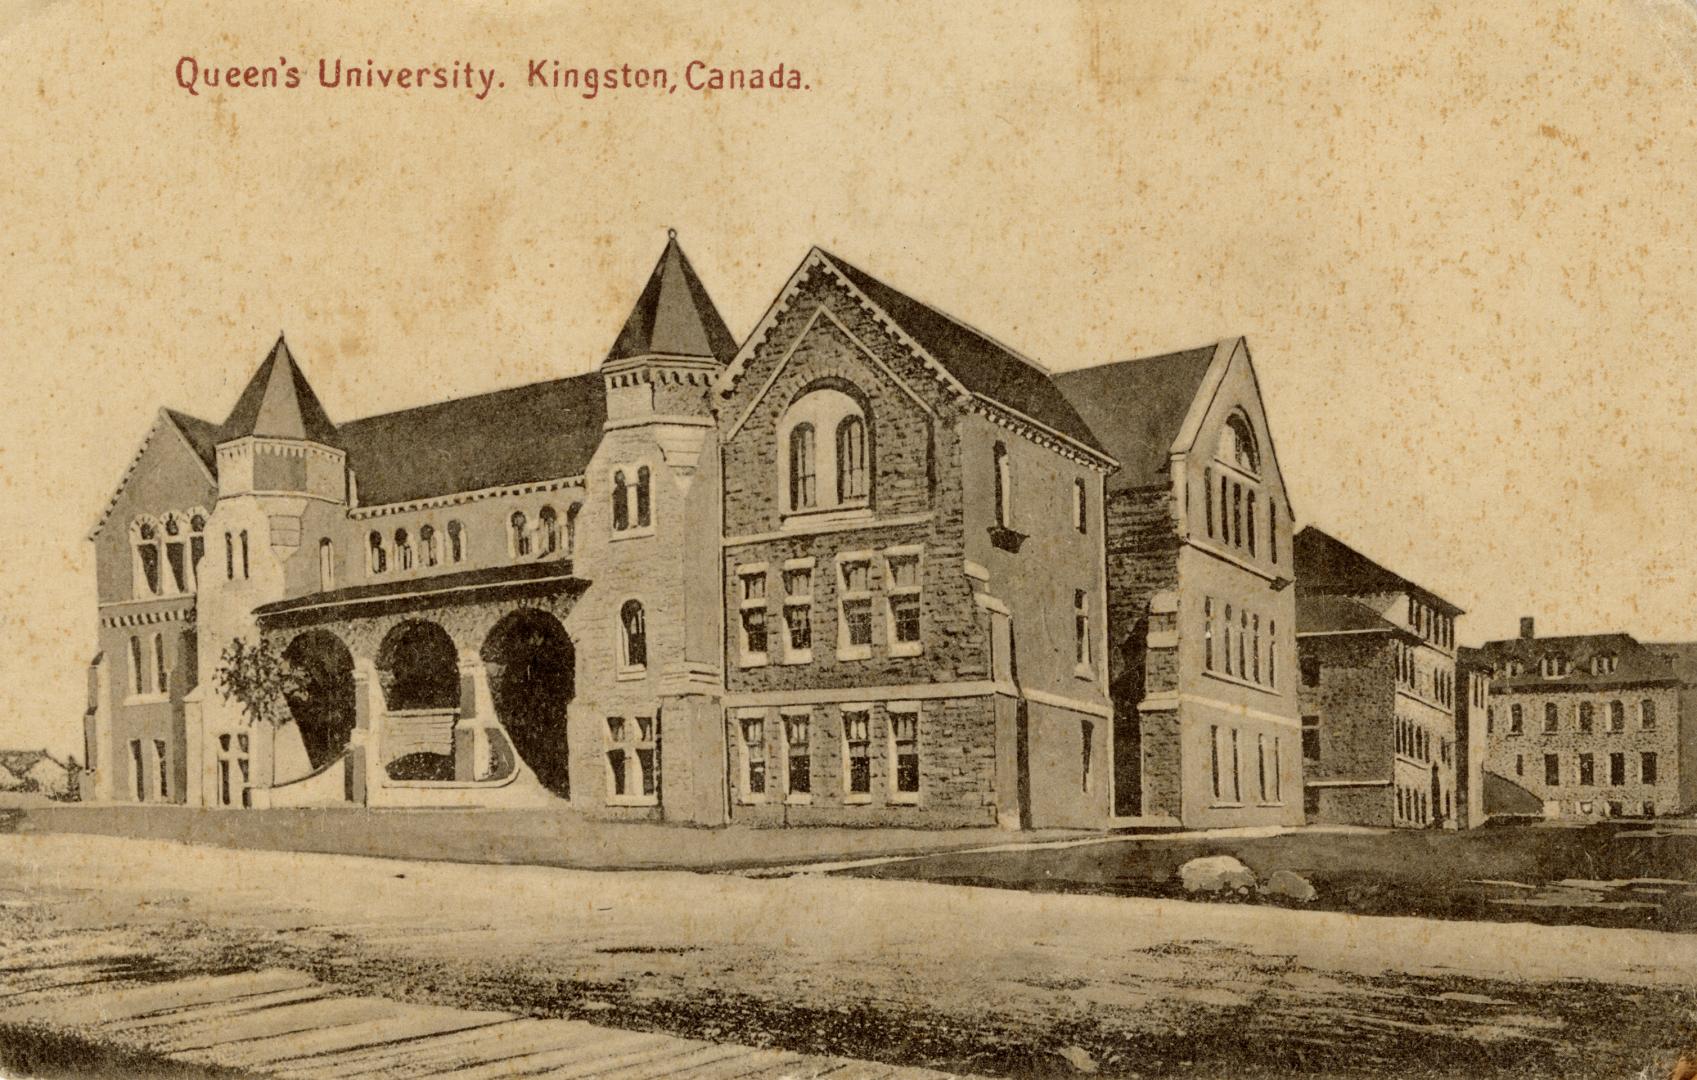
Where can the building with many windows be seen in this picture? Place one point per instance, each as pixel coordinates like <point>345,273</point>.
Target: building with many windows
<point>1592,725</point>
<point>870,567</point>
<point>1381,745</point>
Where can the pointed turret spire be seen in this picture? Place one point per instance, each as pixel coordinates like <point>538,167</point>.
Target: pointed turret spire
<point>673,316</point>
<point>279,403</point>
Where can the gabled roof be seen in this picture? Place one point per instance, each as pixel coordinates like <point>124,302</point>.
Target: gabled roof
<point>979,363</point>
<point>1136,408</point>
<point>201,435</point>
<point>1325,564</point>
<point>279,403</point>
<point>1340,615</point>
<point>673,316</point>
<point>538,432</point>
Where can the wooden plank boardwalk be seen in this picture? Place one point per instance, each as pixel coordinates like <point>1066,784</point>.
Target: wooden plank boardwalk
<point>285,1024</point>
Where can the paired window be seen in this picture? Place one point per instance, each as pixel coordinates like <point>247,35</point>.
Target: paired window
<point>857,750</point>
<point>401,550</point>
<point>1552,667</point>
<point>149,672</point>
<point>902,601</point>
<point>1604,664</point>
<point>1430,623</point>
<point>794,752</point>
<point>633,759</point>
<point>632,500</point>
<point>166,553</point>
<point>1223,761</point>
<point>798,765</point>
<point>854,607</point>
<point>633,638</point>
<point>234,770</point>
<point>1232,644</point>
<point>827,453</point>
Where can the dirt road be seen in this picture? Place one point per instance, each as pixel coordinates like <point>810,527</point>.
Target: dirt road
<point>978,980</point>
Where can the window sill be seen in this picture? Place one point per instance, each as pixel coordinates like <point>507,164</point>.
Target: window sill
<point>631,674</point>
<point>798,800</point>
<point>854,652</point>
<point>753,660</point>
<point>633,800</point>
<point>751,800</point>
<point>802,656</point>
<point>147,699</point>
<point>863,799</point>
<point>1271,691</point>
<point>1225,806</point>
<point>904,799</point>
<point>632,534</point>
<point>907,648</point>
<point>857,510</point>
<point>1085,672</point>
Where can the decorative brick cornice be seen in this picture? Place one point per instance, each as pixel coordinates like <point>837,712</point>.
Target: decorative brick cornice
<point>151,617</point>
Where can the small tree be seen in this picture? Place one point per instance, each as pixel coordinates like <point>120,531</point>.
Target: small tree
<point>259,679</point>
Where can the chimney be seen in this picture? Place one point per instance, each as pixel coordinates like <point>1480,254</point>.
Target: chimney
<point>1526,628</point>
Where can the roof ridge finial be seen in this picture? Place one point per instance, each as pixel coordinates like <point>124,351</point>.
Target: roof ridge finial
<point>671,234</point>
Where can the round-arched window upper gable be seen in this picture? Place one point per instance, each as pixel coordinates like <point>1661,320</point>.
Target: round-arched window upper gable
<point>1238,445</point>
<point>824,449</point>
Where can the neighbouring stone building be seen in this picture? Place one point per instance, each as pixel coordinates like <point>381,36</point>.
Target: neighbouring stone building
<point>1472,700</point>
<point>870,567</point>
<point>1201,616</point>
<point>1381,744</point>
<point>1592,725</point>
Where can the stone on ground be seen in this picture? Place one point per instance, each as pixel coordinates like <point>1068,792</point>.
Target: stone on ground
<point>1289,886</point>
<point>1216,874</point>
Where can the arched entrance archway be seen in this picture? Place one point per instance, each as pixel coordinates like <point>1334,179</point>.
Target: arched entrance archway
<point>419,671</point>
<point>322,698</point>
<point>532,676</point>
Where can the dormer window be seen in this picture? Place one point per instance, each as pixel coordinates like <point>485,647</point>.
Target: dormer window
<point>826,453</point>
<point>1603,665</point>
<point>1552,667</point>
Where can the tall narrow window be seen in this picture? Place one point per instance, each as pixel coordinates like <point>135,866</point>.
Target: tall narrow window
<point>1585,717</point>
<point>176,557</point>
<point>1004,487</point>
<point>1208,633</point>
<point>161,677</point>
<point>904,751</point>
<point>618,757</point>
<point>1515,720</point>
<point>1587,770</point>
<point>428,555</point>
<point>648,756</point>
<point>1208,499</point>
<point>851,459</point>
<point>621,502</point>
<point>1647,767</point>
<point>1237,769</point>
<point>519,534</point>
<point>1255,647</point>
<point>197,546</point>
<point>244,555</point>
<point>1647,715</point>
<point>857,735</point>
<point>1273,531</point>
<point>403,550</point>
<point>1214,762</point>
<point>1550,719</point>
<point>1086,749</point>
<point>456,542</point>
<point>1226,640</point>
<point>902,592</point>
<point>571,528</point>
<point>1617,716</point>
<point>1081,629</point>
<point>798,765</point>
<point>1237,515</point>
<point>138,669</point>
<point>548,530</point>
<point>854,609</point>
<point>1080,507</point>
<point>1263,789</point>
<point>379,556</point>
<point>1225,510</point>
<point>1242,640</point>
<point>634,636</point>
<point>804,479</point>
<point>798,614</point>
<point>644,498</point>
<point>751,609</point>
<point>138,771</point>
<point>1249,520</point>
<point>144,538</point>
<point>162,771</point>
<point>753,730</point>
<point>1552,770</point>
<point>326,565</point>
<point>1273,653</point>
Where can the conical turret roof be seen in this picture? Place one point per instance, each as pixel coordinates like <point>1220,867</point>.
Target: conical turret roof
<point>674,316</point>
<point>279,403</point>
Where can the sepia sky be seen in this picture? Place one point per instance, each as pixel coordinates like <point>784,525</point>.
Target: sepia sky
<point>1458,237</point>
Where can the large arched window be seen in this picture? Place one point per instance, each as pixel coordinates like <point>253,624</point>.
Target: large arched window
<point>456,542</point>
<point>826,459</point>
<point>548,531</point>
<point>1237,444</point>
<point>379,558</point>
<point>804,468</point>
<point>633,636</point>
<point>851,458</point>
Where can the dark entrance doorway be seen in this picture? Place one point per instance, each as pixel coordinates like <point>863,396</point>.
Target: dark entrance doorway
<point>322,698</point>
<point>532,675</point>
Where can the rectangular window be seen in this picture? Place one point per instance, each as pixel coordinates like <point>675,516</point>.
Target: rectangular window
<point>1086,737</point>
<point>1272,654</point>
<point>751,612</point>
<point>1255,647</point>
<point>798,614</point>
<point>1311,738</point>
<point>1617,769</point>
<point>904,754</point>
<point>1552,770</point>
<point>161,676</point>
<point>1237,515</point>
<point>1214,761</point>
<point>1587,770</point>
<point>1261,766</point>
<point>753,730</point>
<point>1278,771</point>
<point>1647,715</point>
<point>1647,767</point>
<point>138,771</point>
<point>857,739</point>
<point>1549,717</point>
<point>1081,632</point>
<point>1208,633</point>
<point>1249,520</point>
<point>161,770</point>
<point>1515,720</point>
<point>138,670</point>
<point>1226,639</point>
<point>1617,716</point>
<point>902,591</point>
<point>1004,487</point>
<point>854,608</point>
<point>1585,715</point>
<point>618,754</point>
<point>1080,507</point>
<point>1208,500</point>
<point>798,764</point>
<point>1237,770</point>
<point>1272,531</point>
<point>648,756</point>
